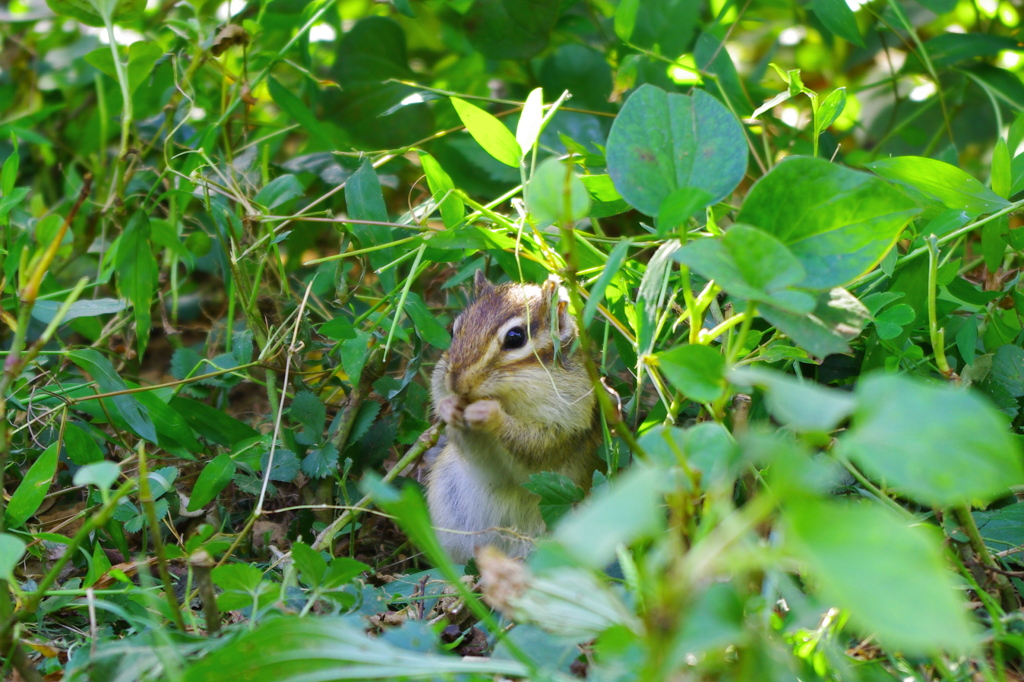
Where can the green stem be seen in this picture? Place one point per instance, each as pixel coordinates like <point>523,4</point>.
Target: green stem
<point>146,499</point>
<point>938,336</point>
<point>1006,594</point>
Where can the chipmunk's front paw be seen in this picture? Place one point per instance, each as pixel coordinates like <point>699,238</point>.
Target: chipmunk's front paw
<point>483,415</point>
<point>450,410</point>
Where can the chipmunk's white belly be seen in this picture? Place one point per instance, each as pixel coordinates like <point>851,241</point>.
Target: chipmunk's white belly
<point>463,497</point>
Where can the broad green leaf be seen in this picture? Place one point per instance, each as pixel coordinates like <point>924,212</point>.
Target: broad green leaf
<point>572,603</point>
<point>829,110</point>
<point>93,12</point>
<point>80,447</point>
<point>528,128</point>
<point>368,412</point>
<point>242,587</point>
<point>751,264</point>
<point>326,133</point>
<point>443,190</point>
<point>12,548</point>
<point>556,194</point>
<point>936,444</point>
<point>661,142</point>
<point>666,26</point>
<point>676,209</point>
<point>306,409</point>
<point>425,322</point>
<point>890,577</point>
<point>141,56</point>
<point>103,373</point>
<point>290,649</point>
<point>280,190</point>
<point>625,18</point>
<point>137,273</point>
<point>214,477</point>
<point>45,311</point>
<point>312,567</point>
<point>353,355</point>
<point>697,371</point>
<point>949,185</point>
<point>1008,369</point>
<point>171,428</point>
<point>103,475</point>
<point>837,317</point>
<point>365,201</point>
<point>627,511</point>
<point>1003,528</point>
<point>838,18</point>
<point>802,405</point>
<point>489,132</point>
<point>32,489</point>
<point>510,29</point>
<point>890,323</point>
<point>557,495</point>
<point>213,425</point>
<point>838,222</point>
<point>321,461</point>
<point>951,48</point>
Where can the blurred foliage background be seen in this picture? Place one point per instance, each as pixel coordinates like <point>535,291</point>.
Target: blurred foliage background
<point>233,237</point>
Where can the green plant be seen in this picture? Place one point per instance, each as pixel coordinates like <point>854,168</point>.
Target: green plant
<point>231,248</point>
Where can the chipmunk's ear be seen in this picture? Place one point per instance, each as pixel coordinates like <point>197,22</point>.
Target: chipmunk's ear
<point>481,285</point>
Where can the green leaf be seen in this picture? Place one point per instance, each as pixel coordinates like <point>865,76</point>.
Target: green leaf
<point>510,29</point>
<point>611,268</point>
<point>443,190</point>
<point>353,355</point>
<point>32,489</point>
<point>1002,528</point>
<point>320,462</point>
<point>289,649</point>
<point>630,509</point>
<point>368,411</point>
<point>750,264</point>
<point>103,373</point>
<point>837,317</point>
<point>838,18</point>
<point>936,444</point>
<point>296,110</point>
<point>214,477</point>
<point>1008,369</point>
<point>557,495</point>
<point>662,142</point>
<point>838,222</point>
<point>312,567</point>
<point>103,475</point>
<point>1001,179</point>
<point>136,273</point>
<point>279,191</point>
<point>46,311</point>
<point>11,550</point>
<point>365,201</point>
<point>425,322</point>
<point>890,577</point>
<point>307,410</point>
<point>489,132</point>
<point>93,12</point>
<point>530,120</point>
<point>697,371</point>
<point>802,405</point>
<point>625,18</point>
<point>9,172</point>
<point>141,56</point>
<point>213,425</point>
<point>829,110</point>
<point>556,195</point>
<point>947,184</point>
<point>676,209</point>
<point>890,323</point>
<point>80,447</point>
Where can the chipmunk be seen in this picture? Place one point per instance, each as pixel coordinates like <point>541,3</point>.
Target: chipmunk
<point>517,401</point>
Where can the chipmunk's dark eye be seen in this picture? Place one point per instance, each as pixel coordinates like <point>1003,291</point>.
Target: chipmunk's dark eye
<point>514,338</point>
